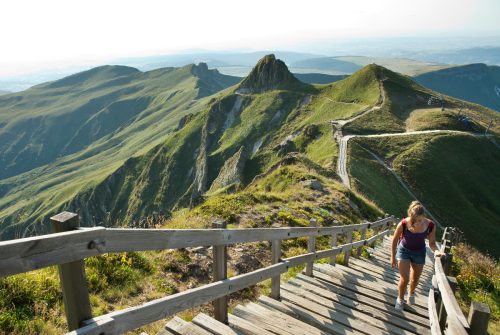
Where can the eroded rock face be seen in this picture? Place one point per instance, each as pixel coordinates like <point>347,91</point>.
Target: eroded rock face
<point>232,170</point>
<point>269,74</point>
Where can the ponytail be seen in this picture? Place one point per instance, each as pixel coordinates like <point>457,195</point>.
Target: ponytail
<point>415,209</point>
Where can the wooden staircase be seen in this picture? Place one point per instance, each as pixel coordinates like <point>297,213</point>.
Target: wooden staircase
<point>358,299</point>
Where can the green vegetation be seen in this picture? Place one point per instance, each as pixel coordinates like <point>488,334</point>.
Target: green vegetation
<point>435,118</point>
<point>478,277</point>
<point>374,181</point>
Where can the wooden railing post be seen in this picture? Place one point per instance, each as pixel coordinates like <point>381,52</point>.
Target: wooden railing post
<point>479,316</point>
<point>347,254</point>
<point>219,267</point>
<point>276,258</point>
<point>333,243</point>
<point>311,247</point>
<point>363,236</point>
<point>72,275</point>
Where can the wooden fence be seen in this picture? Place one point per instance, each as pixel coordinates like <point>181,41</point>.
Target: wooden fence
<point>445,314</point>
<point>69,245</point>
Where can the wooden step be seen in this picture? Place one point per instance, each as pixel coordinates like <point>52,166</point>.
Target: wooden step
<point>263,321</point>
<point>341,271</point>
<point>181,327</point>
<point>370,300</point>
<point>326,324</point>
<point>297,326</point>
<point>379,295</point>
<point>213,326</point>
<point>342,318</point>
<point>361,315</point>
<point>245,327</point>
<point>378,311</point>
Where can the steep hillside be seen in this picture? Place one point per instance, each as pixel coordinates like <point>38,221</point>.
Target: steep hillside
<point>454,175</point>
<point>477,83</point>
<point>63,117</point>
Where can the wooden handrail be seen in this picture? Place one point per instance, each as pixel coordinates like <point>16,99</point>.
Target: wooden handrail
<point>131,318</point>
<point>27,254</point>
<point>450,315</point>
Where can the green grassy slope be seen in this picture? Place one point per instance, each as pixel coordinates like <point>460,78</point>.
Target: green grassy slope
<point>63,117</point>
<point>172,94</point>
<point>478,83</point>
<point>455,176</point>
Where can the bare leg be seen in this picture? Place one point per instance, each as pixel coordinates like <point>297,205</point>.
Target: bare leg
<point>416,271</point>
<point>404,274</point>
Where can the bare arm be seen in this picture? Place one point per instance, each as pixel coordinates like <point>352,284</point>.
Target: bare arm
<point>432,242</point>
<point>395,239</point>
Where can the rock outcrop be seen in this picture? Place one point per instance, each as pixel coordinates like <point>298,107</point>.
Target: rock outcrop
<point>232,170</point>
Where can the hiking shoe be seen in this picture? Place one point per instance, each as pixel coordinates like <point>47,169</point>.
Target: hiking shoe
<point>399,304</point>
<point>411,299</point>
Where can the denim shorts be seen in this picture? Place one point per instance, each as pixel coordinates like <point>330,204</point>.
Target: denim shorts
<point>417,257</point>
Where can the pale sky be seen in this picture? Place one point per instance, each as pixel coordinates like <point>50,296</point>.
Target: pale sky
<point>44,34</point>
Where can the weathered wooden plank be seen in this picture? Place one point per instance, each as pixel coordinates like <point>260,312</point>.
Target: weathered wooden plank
<point>433,317</point>
<point>346,320</point>
<point>368,291</point>
<point>447,296</point>
<point>362,315</point>
<point>27,254</point>
<point>245,327</point>
<point>372,311</point>
<point>372,281</point>
<point>326,324</point>
<point>124,239</point>
<point>181,327</point>
<point>422,287</point>
<point>213,326</point>
<point>387,306</point>
<point>264,322</point>
<point>296,326</point>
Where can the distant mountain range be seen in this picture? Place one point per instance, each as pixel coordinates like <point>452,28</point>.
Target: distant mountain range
<point>478,83</point>
<point>240,63</point>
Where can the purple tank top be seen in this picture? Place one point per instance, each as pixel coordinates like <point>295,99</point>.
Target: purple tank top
<point>414,241</point>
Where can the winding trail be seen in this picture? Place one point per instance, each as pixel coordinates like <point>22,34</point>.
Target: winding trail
<point>344,140</point>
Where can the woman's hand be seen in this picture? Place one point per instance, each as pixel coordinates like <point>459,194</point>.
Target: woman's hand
<point>438,253</point>
<point>393,262</point>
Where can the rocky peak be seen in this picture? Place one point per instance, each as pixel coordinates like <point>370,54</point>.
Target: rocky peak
<point>269,74</point>
<point>200,70</point>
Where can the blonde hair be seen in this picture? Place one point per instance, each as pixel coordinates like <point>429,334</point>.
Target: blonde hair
<point>415,209</point>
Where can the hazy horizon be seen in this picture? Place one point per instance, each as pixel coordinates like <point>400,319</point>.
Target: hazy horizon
<point>56,35</point>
